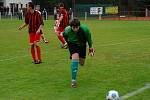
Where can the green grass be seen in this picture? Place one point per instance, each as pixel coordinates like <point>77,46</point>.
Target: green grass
<point>121,62</point>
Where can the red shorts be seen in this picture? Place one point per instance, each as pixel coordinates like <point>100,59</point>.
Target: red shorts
<point>34,37</point>
<point>60,29</point>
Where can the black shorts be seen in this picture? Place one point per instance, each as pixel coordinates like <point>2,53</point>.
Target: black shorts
<point>74,48</point>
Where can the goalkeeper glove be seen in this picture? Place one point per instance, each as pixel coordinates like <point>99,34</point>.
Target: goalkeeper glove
<point>91,51</point>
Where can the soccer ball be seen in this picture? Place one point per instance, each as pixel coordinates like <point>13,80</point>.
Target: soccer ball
<point>112,95</point>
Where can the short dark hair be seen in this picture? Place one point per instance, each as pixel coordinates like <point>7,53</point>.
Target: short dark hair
<point>61,5</point>
<point>75,22</point>
<point>31,4</point>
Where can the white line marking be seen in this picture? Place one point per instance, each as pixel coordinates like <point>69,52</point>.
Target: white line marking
<point>140,90</point>
<point>111,44</point>
<point>133,41</point>
<point>12,58</point>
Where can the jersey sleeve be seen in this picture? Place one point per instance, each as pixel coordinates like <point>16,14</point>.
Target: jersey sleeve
<point>62,12</point>
<point>64,21</point>
<point>65,36</point>
<point>40,20</point>
<point>88,36</point>
<point>65,33</point>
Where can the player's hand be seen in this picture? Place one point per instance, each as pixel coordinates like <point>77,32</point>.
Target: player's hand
<point>38,31</point>
<point>91,52</point>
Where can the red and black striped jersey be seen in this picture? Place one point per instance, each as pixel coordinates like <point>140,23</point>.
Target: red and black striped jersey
<point>64,21</point>
<point>34,20</point>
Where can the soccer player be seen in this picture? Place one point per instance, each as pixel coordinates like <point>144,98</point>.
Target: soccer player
<point>62,22</point>
<point>42,34</point>
<point>59,34</point>
<point>77,36</point>
<point>35,23</point>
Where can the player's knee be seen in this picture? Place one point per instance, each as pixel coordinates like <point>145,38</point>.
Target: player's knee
<point>37,43</point>
<point>75,56</point>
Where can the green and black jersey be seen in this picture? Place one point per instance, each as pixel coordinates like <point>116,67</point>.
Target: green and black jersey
<point>80,38</point>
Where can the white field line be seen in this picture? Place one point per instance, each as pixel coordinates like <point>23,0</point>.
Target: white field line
<point>140,90</point>
<point>111,44</point>
<point>12,58</point>
<point>17,57</point>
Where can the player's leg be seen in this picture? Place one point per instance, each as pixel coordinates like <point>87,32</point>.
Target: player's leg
<point>43,37</point>
<point>32,36</point>
<point>74,63</point>
<point>59,35</point>
<point>74,68</point>
<point>38,49</point>
<point>58,31</point>
<point>81,61</point>
<point>82,55</point>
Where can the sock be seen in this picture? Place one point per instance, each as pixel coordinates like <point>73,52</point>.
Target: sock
<point>33,52</point>
<point>74,68</point>
<point>38,52</point>
<point>61,38</point>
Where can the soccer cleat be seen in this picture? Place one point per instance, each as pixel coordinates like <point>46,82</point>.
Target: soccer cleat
<point>64,46</point>
<point>37,62</point>
<point>45,41</point>
<point>34,61</point>
<point>73,84</point>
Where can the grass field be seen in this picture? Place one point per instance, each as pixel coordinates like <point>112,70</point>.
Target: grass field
<point>121,62</point>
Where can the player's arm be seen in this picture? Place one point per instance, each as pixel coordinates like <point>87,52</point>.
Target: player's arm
<point>65,35</point>
<point>60,18</point>
<point>91,49</point>
<point>89,40</point>
<point>88,37</point>
<point>25,23</point>
<point>40,21</point>
<point>40,28</point>
<point>22,26</point>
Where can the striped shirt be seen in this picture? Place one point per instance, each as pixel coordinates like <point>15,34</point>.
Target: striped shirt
<point>34,21</point>
<point>38,11</point>
<point>63,12</point>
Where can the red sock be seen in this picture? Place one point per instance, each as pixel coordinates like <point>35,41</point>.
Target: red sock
<point>61,38</point>
<point>33,52</point>
<point>38,52</point>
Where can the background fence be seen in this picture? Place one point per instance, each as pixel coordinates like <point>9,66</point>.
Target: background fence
<point>82,15</point>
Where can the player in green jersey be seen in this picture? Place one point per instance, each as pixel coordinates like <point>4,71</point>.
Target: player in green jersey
<point>77,36</point>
